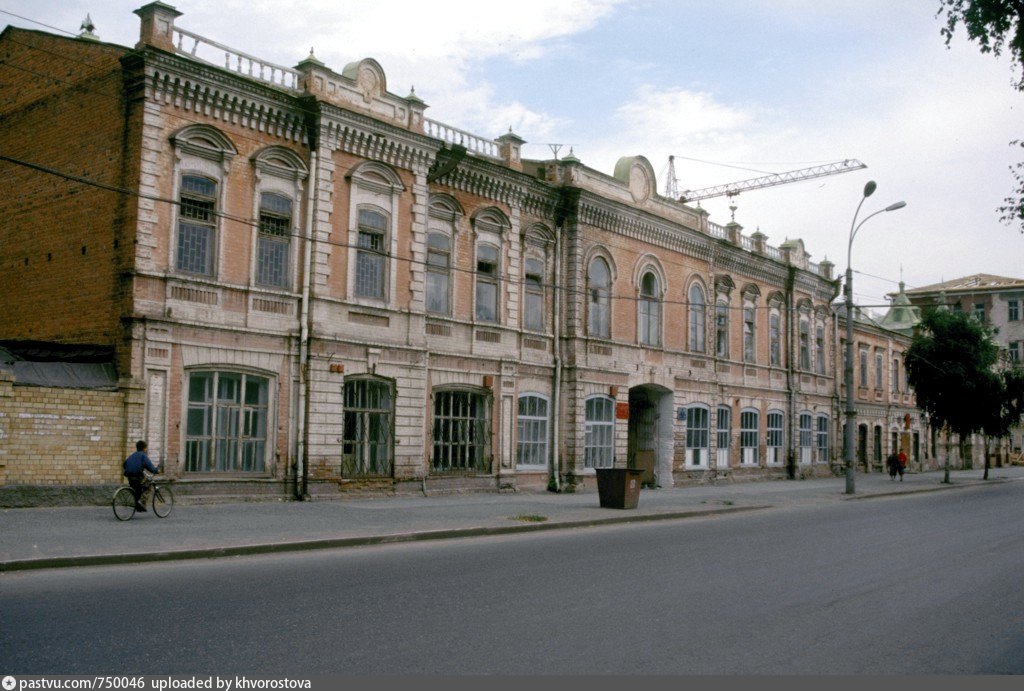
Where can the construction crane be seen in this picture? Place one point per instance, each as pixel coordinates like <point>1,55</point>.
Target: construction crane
<point>731,189</point>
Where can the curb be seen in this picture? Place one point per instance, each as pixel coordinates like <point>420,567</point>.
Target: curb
<point>963,484</point>
<point>338,543</point>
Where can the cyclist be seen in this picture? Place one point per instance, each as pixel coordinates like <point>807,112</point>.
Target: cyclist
<point>133,467</point>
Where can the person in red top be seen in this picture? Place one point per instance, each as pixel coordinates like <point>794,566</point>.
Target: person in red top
<point>902,458</point>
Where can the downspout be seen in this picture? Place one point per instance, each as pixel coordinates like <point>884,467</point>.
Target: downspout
<point>791,460</point>
<point>302,465</point>
<point>555,484</point>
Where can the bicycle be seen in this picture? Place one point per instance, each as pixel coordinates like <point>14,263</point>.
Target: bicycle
<point>160,495</point>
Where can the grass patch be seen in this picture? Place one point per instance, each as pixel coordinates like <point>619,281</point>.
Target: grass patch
<point>529,518</point>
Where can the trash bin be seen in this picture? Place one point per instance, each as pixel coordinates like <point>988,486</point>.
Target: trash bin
<point>619,488</point>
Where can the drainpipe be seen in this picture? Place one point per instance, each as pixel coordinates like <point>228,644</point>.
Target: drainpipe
<point>791,460</point>
<point>556,484</point>
<point>302,465</point>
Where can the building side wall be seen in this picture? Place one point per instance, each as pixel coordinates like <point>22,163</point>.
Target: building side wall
<point>59,247</point>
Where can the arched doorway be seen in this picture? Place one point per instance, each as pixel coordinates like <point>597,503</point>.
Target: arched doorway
<point>650,430</point>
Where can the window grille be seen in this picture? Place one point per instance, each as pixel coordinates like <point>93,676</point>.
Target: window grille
<point>723,422</point>
<point>823,438</point>
<point>461,432</point>
<point>197,216</point>
<point>367,445</point>
<point>722,329</point>
<point>806,437</point>
<point>370,254</point>
<point>273,241</point>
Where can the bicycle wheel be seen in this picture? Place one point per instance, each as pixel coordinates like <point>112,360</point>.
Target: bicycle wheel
<point>124,503</point>
<point>163,501</point>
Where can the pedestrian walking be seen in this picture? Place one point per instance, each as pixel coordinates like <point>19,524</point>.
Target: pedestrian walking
<point>901,463</point>
<point>892,463</point>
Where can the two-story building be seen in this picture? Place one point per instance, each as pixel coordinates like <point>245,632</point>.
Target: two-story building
<point>314,288</point>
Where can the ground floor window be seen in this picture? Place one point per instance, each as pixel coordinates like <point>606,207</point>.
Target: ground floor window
<point>723,421</point>
<point>749,425</point>
<point>226,422</point>
<point>806,437</point>
<point>367,443</point>
<point>697,426</point>
<point>461,431</point>
<point>532,447</point>
<point>776,436</point>
<point>599,440</point>
<point>823,440</point>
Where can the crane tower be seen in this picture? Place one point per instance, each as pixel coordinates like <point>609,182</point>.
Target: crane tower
<point>733,188</point>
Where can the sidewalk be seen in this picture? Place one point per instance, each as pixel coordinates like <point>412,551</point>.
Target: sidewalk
<point>78,536</point>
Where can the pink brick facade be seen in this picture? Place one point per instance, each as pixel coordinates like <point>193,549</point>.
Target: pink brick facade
<point>317,290</point>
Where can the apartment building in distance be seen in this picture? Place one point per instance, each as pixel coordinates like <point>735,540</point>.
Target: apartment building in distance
<point>309,287</point>
<point>996,301</point>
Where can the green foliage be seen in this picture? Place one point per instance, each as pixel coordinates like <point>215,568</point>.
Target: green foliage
<point>996,25</point>
<point>951,365</point>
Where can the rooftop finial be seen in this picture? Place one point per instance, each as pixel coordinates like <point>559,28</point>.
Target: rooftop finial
<point>88,28</point>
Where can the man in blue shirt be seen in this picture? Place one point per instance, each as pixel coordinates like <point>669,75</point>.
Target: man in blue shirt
<point>134,466</point>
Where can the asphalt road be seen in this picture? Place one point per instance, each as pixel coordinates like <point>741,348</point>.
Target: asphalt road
<point>927,584</point>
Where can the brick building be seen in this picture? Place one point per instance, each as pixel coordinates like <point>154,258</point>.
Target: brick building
<point>317,289</point>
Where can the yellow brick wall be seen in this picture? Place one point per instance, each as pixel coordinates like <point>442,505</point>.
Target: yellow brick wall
<point>60,436</point>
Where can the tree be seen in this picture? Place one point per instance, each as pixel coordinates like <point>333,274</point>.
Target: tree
<point>950,364</point>
<point>996,25</point>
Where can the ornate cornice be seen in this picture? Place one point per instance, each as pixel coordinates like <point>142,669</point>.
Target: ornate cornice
<point>217,94</point>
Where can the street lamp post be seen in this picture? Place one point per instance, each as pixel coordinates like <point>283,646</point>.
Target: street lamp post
<point>851,411</point>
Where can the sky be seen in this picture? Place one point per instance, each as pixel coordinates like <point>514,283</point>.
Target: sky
<point>732,89</point>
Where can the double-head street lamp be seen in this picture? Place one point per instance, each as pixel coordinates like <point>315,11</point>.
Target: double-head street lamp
<point>851,411</point>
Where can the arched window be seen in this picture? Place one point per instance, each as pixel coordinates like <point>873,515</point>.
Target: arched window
<point>226,422</point>
<point>824,447</point>
<point>749,329</point>
<point>532,447</point>
<point>440,241</point>
<point>697,436</point>
<point>697,339</point>
<point>599,429</point>
<point>274,240</point>
<point>487,269</point>
<point>774,337</point>
<point>370,254</point>
<point>776,432</point>
<point>439,263</point>
<point>599,286</point>
<point>461,431</point>
<point>806,433</point>
<point>533,295</point>
<point>197,225</point>
<point>203,160</point>
<point>367,447</point>
<point>805,342</point>
<point>750,421</point>
<point>723,426</point>
<point>279,177</point>
<point>649,310</point>
<point>722,328</point>
<point>819,347</point>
